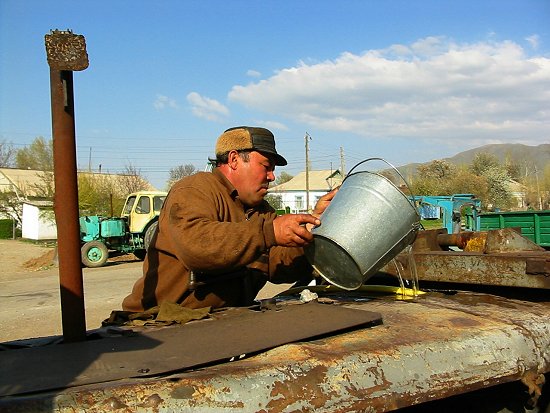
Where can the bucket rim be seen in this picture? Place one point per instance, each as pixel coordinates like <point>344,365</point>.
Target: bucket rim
<point>410,200</point>
<point>413,203</point>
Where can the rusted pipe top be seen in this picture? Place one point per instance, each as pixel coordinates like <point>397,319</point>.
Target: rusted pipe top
<point>66,50</point>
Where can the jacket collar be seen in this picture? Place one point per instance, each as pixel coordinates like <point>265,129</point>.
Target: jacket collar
<point>231,190</point>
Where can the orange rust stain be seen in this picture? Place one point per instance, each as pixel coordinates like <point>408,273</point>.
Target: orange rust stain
<point>300,386</point>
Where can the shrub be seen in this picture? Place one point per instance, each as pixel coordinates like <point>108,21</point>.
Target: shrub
<point>6,229</point>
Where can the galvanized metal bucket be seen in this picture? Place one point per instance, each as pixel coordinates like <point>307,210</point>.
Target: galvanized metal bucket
<point>367,224</point>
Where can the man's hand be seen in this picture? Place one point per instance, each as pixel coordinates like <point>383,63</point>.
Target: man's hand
<point>324,202</point>
<point>290,230</point>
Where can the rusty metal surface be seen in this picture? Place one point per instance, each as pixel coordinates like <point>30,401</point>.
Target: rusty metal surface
<point>147,352</point>
<point>426,349</point>
<point>529,269</point>
<point>488,242</point>
<point>493,258</point>
<point>508,240</point>
<point>66,50</point>
<point>460,239</point>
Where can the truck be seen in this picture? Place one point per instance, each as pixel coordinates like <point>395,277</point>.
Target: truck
<point>129,233</point>
<point>461,212</point>
<point>454,210</point>
<point>534,224</point>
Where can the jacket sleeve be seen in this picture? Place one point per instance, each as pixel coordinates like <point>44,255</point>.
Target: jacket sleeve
<point>207,238</point>
<point>288,265</point>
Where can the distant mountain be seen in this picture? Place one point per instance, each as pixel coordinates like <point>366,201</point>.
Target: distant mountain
<point>524,155</point>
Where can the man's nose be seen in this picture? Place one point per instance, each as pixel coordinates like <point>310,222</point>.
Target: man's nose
<point>270,176</point>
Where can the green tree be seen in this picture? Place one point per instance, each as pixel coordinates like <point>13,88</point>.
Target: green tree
<point>545,191</point>
<point>484,161</point>
<point>283,177</point>
<point>513,168</point>
<point>465,182</point>
<point>98,195</point>
<point>425,186</point>
<point>7,154</point>
<point>276,201</point>
<point>434,178</point>
<point>497,179</point>
<point>38,155</point>
<point>438,169</point>
<point>11,205</point>
<point>538,187</point>
<point>498,192</point>
<point>46,187</point>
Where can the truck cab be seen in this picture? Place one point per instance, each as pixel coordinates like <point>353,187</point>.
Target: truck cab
<point>141,208</point>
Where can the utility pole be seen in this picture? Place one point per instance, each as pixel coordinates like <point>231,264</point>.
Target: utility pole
<point>538,187</point>
<point>342,162</point>
<point>307,138</point>
<point>90,160</point>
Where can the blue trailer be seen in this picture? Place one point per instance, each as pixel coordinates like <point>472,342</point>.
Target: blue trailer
<point>452,209</point>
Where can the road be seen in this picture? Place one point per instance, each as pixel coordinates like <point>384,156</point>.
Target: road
<point>29,291</point>
<point>30,303</point>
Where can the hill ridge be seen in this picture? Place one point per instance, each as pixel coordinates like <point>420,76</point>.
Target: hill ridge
<point>526,155</point>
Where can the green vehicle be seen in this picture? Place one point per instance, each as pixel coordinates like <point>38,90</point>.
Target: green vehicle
<point>534,225</point>
<point>130,233</point>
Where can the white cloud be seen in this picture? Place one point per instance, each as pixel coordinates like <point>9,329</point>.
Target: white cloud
<point>253,73</point>
<point>533,41</point>
<point>206,108</point>
<point>433,89</point>
<point>163,102</point>
<point>270,124</point>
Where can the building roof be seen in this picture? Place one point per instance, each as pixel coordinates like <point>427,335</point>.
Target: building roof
<point>322,181</point>
<point>40,204</point>
<point>515,186</point>
<point>119,179</point>
<point>26,182</point>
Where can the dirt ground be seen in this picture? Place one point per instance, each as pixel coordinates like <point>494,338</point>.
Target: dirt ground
<point>20,256</point>
<point>29,256</point>
<point>29,290</point>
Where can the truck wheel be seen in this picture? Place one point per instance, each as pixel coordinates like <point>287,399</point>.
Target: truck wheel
<point>94,254</point>
<point>149,234</point>
<point>140,254</point>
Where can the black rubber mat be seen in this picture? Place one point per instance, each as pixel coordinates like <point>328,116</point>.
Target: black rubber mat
<point>231,333</point>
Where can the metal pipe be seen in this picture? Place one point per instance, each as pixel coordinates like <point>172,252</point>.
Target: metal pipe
<point>66,53</point>
<point>459,239</point>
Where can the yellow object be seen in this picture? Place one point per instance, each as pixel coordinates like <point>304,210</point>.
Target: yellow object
<point>406,293</point>
<point>142,207</point>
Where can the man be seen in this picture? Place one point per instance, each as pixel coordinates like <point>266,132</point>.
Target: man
<point>218,241</point>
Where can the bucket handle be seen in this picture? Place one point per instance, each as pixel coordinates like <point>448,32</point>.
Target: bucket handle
<point>393,167</point>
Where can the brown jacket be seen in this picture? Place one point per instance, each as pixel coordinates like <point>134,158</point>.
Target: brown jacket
<point>204,228</point>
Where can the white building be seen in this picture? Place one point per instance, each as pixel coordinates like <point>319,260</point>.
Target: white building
<point>518,192</point>
<point>28,189</point>
<point>294,195</point>
<point>38,221</point>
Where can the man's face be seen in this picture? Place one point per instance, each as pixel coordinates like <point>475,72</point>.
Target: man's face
<point>253,178</point>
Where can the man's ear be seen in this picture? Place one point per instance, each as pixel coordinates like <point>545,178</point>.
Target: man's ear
<point>233,159</point>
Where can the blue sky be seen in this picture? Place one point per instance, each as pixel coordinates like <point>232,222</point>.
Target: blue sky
<point>408,81</point>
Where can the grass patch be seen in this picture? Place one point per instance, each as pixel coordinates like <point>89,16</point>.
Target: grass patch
<point>40,243</point>
<point>432,223</point>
